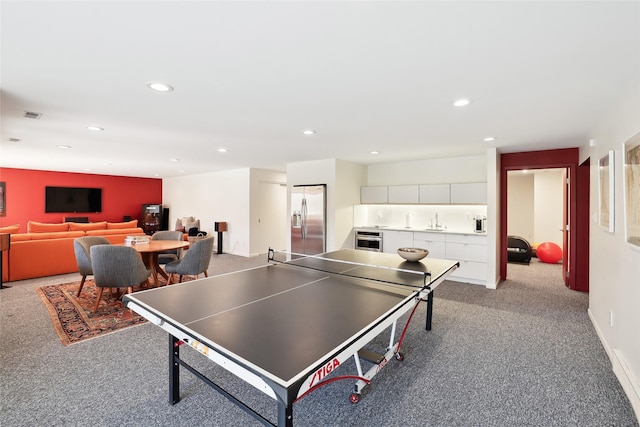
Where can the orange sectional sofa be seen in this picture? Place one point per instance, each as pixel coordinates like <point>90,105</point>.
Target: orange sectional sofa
<point>47,249</point>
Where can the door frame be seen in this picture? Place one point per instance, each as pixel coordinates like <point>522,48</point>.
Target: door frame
<point>578,207</point>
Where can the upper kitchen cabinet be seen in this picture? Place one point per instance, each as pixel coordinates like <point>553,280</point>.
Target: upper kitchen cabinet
<point>435,194</point>
<point>376,194</point>
<point>403,194</point>
<point>474,193</point>
<point>469,193</point>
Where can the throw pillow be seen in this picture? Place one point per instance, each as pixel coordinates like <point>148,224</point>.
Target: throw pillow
<point>11,229</point>
<point>116,225</point>
<point>77,226</point>
<point>41,227</point>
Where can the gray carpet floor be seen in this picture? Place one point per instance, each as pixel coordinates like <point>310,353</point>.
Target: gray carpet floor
<point>525,354</point>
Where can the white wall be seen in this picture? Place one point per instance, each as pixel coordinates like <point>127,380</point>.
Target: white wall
<point>213,197</point>
<point>535,205</point>
<point>548,206</point>
<point>268,212</point>
<point>520,205</point>
<point>349,178</point>
<point>429,171</point>
<point>614,269</point>
<point>493,217</point>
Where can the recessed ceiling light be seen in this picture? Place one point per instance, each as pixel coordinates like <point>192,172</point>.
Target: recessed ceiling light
<point>490,138</point>
<point>309,132</point>
<point>461,102</point>
<point>96,128</point>
<point>106,164</point>
<point>64,147</point>
<point>222,150</point>
<point>375,152</point>
<point>174,160</point>
<point>159,86</point>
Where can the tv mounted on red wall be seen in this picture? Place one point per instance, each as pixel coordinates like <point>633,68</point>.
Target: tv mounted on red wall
<point>73,199</point>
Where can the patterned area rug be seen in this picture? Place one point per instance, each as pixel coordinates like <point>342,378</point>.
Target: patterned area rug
<point>73,317</point>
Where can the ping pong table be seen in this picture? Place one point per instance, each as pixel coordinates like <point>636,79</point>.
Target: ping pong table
<point>286,327</point>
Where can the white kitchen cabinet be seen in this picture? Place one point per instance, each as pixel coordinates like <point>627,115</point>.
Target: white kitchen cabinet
<point>374,194</point>
<point>469,193</point>
<point>433,242</point>
<point>471,272</point>
<point>434,193</point>
<point>392,240</point>
<point>471,251</point>
<point>403,194</point>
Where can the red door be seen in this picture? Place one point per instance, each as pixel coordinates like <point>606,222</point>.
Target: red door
<point>566,206</point>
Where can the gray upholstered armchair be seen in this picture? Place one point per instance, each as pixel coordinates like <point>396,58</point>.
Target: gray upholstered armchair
<point>171,255</point>
<point>81,247</point>
<point>117,267</point>
<point>194,262</point>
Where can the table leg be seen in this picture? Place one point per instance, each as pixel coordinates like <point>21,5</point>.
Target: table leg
<point>429,310</point>
<point>174,370</point>
<point>147,258</point>
<point>285,414</point>
<point>158,269</point>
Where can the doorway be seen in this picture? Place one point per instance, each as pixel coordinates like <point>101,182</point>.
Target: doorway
<point>576,225</point>
<point>271,227</point>
<point>536,201</point>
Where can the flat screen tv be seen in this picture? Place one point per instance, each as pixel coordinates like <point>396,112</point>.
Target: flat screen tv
<point>73,199</point>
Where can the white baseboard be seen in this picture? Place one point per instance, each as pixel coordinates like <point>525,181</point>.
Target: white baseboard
<point>627,380</point>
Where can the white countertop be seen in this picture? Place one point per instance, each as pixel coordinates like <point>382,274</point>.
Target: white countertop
<point>426,230</point>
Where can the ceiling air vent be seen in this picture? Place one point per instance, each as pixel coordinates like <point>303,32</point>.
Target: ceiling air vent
<point>32,115</point>
<point>14,140</point>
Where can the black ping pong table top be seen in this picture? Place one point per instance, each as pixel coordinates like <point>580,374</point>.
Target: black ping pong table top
<point>283,321</point>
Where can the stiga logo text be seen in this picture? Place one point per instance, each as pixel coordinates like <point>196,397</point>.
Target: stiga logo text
<point>324,371</point>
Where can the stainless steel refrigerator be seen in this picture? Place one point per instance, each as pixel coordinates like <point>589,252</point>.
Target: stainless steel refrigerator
<point>308,219</point>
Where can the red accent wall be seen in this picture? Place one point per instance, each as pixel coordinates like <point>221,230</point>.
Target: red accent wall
<point>121,196</point>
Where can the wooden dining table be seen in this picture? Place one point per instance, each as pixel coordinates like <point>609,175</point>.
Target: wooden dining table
<point>150,251</point>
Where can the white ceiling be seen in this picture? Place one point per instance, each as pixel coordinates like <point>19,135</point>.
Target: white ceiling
<point>251,76</point>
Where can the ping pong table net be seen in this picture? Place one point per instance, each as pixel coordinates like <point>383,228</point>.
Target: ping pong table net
<point>419,277</point>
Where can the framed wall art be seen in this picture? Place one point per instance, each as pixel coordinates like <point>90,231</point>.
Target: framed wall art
<point>3,199</point>
<point>606,191</point>
<point>631,181</point>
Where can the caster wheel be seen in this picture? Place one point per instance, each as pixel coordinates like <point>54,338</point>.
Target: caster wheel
<point>354,398</point>
<point>399,356</point>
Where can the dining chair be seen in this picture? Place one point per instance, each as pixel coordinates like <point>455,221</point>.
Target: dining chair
<point>194,262</point>
<point>82,247</point>
<point>117,267</point>
<point>165,257</point>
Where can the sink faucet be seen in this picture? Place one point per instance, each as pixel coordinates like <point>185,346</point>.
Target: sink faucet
<point>437,224</point>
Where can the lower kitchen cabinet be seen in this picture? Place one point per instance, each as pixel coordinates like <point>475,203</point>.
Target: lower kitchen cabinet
<point>433,242</point>
<point>469,249</point>
<point>392,240</point>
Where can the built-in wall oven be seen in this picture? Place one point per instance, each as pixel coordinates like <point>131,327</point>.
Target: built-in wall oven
<point>369,240</point>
